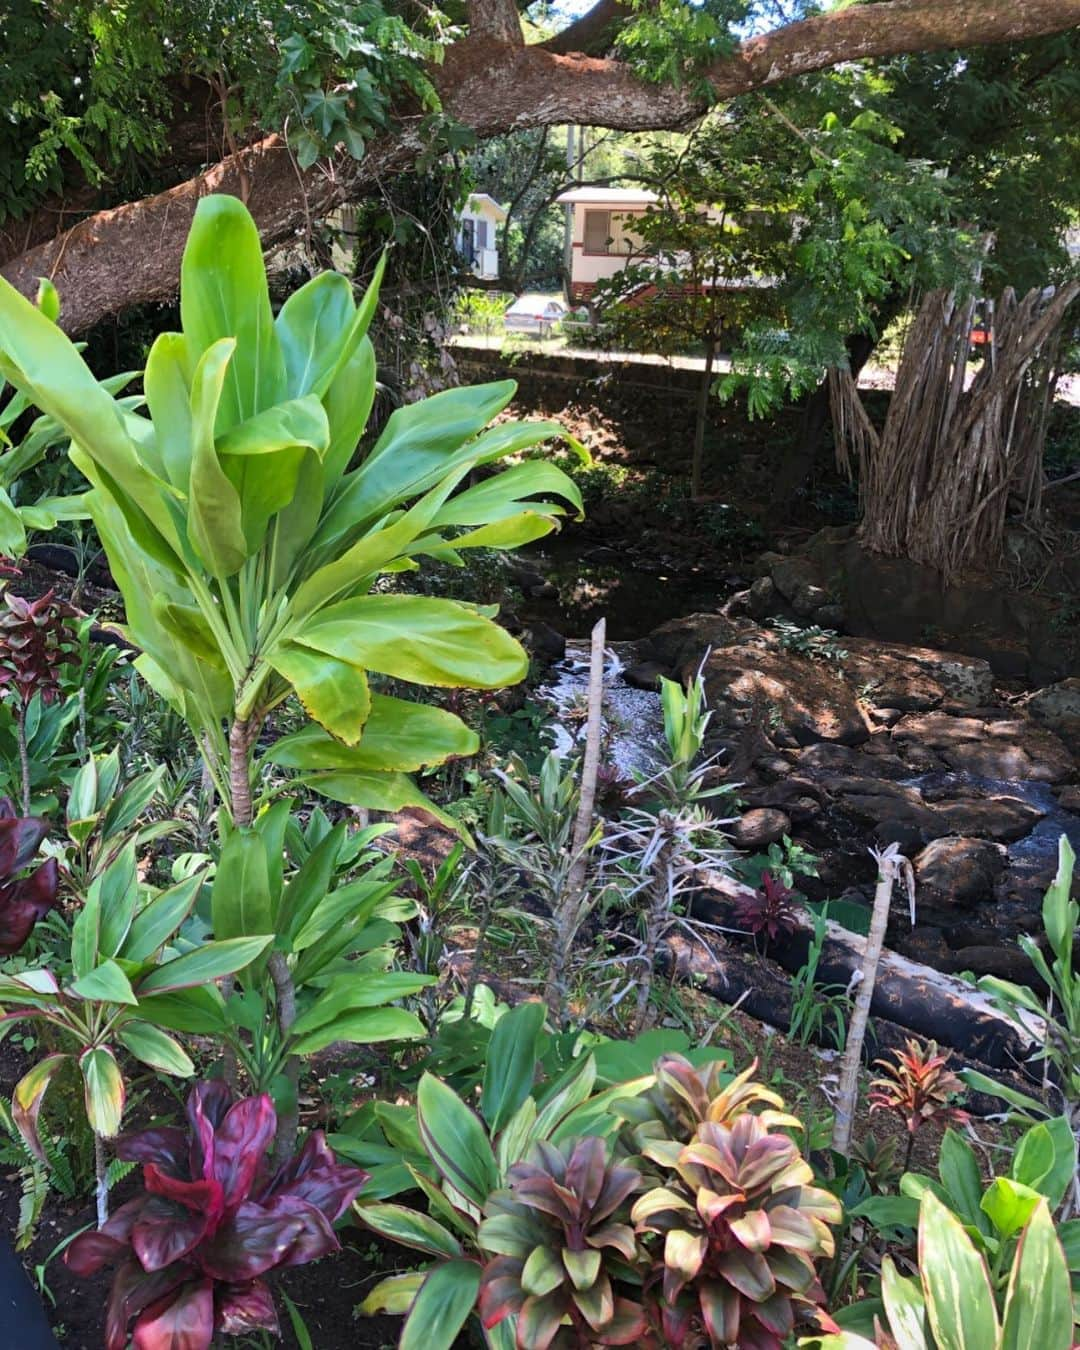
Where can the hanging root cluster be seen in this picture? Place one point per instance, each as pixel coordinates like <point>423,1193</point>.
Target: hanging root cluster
<point>957,456</point>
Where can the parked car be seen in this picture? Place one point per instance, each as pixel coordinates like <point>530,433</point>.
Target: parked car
<point>539,314</point>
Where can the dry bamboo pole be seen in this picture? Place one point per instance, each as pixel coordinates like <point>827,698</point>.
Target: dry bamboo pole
<point>891,866</point>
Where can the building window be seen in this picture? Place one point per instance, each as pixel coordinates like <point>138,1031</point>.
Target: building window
<point>598,232</point>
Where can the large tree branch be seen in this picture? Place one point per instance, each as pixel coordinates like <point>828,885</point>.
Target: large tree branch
<point>131,255</point>
<point>591,33</point>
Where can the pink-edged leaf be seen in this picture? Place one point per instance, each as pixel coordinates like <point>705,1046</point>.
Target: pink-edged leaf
<point>753,1230</point>
<point>775,1314</point>
<point>626,1325</point>
<point>92,1250</point>
<point>207,1105</point>
<point>754,1337</point>
<point>240,1142</point>
<point>619,1184</point>
<point>720,1312</point>
<point>20,838</point>
<point>246,1307</point>
<point>675,1320</point>
<point>28,1097</point>
<point>748,1272</point>
<point>500,1290</point>
<point>596,1304</point>
<point>710,1205</point>
<point>182,1320</point>
<point>617,1235</point>
<point>793,1270</point>
<point>792,1230</point>
<point>585,1172</point>
<point>539,1319</point>
<point>166,1232</point>
<point>684,1252</point>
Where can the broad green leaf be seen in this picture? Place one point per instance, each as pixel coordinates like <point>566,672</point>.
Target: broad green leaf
<point>365,1026</point>
<point>223,294</point>
<point>410,1228</point>
<point>199,1011</point>
<point>1046,1159</point>
<point>394,1295</point>
<point>104,1090</point>
<point>511,1063</point>
<point>456,1140</point>
<point>1060,912</point>
<point>348,403</point>
<point>119,888</point>
<point>417,638</point>
<point>240,903</point>
<point>398,736</point>
<point>349,992</point>
<point>152,1046</point>
<point>156,922</point>
<point>214,515</point>
<point>334,692</point>
<point>107,984</point>
<point>209,962</point>
<point>84,934</point>
<point>505,494</point>
<point>1009,1205</point>
<point>167,381</point>
<point>12,529</point>
<point>959,1300</point>
<point>125,809</point>
<point>1038,1305</point>
<point>959,1171</point>
<point>378,792</point>
<point>442,1307</point>
<point>312,327</point>
<point>309,886</point>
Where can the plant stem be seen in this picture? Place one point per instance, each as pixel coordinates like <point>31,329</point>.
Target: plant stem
<point>285,1138</point>
<point>101,1190</point>
<point>890,865</point>
<point>24,756</point>
<point>241,738</point>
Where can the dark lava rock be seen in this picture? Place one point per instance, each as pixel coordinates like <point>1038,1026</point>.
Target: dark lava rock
<point>545,643</point>
<point>645,674</point>
<point>759,828</point>
<point>1007,963</point>
<point>960,871</point>
<point>831,616</point>
<point>762,598</point>
<point>1003,818</point>
<point>885,717</point>
<point>909,837</point>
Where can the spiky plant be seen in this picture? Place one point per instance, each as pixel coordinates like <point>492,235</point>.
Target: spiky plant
<point>561,1248</point>
<point>741,1227</point>
<point>768,910</point>
<point>918,1086</point>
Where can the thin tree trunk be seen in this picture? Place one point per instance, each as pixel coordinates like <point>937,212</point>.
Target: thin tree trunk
<point>288,1121</point>
<point>101,1173</point>
<point>24,755</point>
<point>701,419</point>
<point>571,907</point>
<point>891,864</point>
<point>241,738</point>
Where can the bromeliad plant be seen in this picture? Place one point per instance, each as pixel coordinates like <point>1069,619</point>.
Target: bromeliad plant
<point>25,897</point>
<point>194,1249</point>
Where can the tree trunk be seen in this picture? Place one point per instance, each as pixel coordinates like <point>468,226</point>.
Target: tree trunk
<point>701,419</point>
<point>492,84</point>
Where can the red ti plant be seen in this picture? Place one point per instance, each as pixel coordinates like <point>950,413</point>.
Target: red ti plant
<point>918,1086</point>
<point>213,1221</point>
<point>768,910</point>
<point>34,639</point>
<point>23,899</point>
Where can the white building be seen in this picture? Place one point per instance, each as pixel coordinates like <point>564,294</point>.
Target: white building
<point>477,235</point>
<point>603,233</point>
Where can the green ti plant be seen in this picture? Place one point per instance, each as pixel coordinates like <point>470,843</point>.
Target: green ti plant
<point>658,852</point>
<point>335,938</point>
<point>993,1268</point>
<point>129,979</point>
<point>251,558</point>
<point>1058,1014</point>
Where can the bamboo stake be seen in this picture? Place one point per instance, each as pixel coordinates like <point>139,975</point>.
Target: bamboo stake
<point>891,866</point>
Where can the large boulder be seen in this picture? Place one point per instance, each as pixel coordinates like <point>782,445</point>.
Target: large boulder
<point>809,699</point>
<point>1058,706</point>
<point>917,678</point>
<point>959,870</point>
